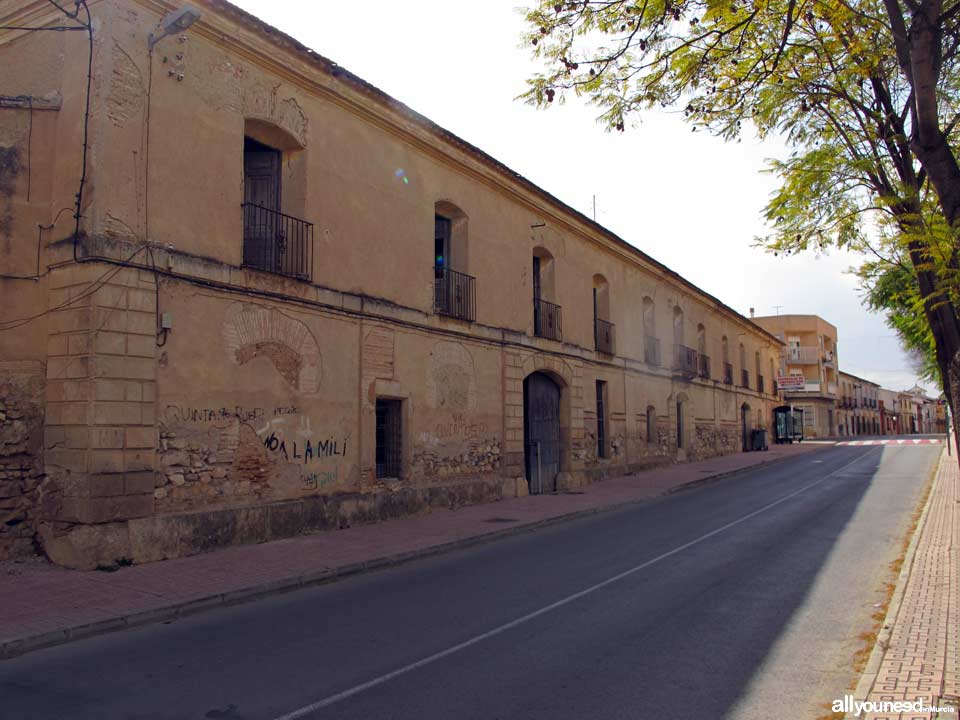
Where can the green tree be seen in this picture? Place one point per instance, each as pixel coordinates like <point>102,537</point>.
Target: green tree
<point>863,91</point>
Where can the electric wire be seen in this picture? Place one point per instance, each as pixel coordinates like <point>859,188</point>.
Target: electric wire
<point>85,293</point>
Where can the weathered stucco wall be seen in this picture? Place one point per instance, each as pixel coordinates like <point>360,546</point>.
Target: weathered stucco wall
<point>253,415</point>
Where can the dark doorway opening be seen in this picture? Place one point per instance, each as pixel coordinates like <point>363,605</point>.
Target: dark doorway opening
<point>541,432</point>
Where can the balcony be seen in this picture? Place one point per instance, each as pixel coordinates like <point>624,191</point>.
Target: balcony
<point>828,359</point>
<point>745,379</point>
<point>703,366</point>
<point>651,351</point>
<point>547,320</point>
<point>727,373</point>
<point>832,388</point>
<point>684,361</point>
<point>277,243</point>
<point>760,384</point>
<point>603,336</point>
<point>802,355</point>
<point>454,294</point>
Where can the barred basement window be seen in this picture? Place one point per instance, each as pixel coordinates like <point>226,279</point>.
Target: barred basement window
<point>389,438</point>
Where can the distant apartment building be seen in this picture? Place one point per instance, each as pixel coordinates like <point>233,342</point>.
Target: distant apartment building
<point>808,368</point>
<point>888,411</point>
<point>858,406</point>
<point>924,409</point>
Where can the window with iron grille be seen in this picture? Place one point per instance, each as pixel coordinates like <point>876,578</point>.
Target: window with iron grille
<point>389,438</point>
<point>601,420</point>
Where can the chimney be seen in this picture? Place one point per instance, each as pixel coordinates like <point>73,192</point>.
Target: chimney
<point>751,312</point>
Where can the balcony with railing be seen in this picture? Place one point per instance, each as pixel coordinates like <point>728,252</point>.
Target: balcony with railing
<point>454,294</point>
<point>684,361</point>
<point>745,379</point>
<point>703,366</point>
<point>547,320</point>
<point>603,336</point>
<point>760,384</point>
<point>802,355</point>
<point>651,351</point>
<point>277,243</point>
<point>727,373</point>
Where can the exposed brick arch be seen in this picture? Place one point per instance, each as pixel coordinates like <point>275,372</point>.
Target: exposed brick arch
<point>257,331</point>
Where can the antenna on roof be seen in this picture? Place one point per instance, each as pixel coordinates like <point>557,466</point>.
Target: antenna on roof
<point>777,308</point>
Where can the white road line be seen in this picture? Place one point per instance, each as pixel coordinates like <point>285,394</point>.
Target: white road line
<point>381,679</point>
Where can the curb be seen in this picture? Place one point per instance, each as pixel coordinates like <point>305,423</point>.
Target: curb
<point>20,646</point>
<point>869,675</point>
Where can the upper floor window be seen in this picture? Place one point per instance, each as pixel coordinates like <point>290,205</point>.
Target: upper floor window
<point>547,320</point>
<point>727,365</point>
<point>684,358</point>
<point>651,344</point>
<point>273,239</point>
<point>602,327</point>
<point>703,360</point>
<point>454,292</point>
<point>744,373</point>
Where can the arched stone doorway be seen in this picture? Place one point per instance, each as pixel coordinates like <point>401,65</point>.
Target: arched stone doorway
<point>541,432</point>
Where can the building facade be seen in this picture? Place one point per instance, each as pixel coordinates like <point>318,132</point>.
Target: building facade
<point>889,413</point>
<point>810,357</point>
<point>291,303</point>
<point>858,406</point>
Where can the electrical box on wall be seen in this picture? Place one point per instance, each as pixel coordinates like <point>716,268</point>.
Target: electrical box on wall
<point>166,321</point>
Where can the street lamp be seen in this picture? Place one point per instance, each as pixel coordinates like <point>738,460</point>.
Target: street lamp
<point>177,21</point>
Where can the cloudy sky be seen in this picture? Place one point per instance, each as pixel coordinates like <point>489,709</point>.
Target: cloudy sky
<point>688,199</point>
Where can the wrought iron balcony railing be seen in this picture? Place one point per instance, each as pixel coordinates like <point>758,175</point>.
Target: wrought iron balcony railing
<point>727,373</point>
<point>703,366</point>
<point>651,350</point>
<point>684,361</point>
<point>745,379</point>
<point>454,294</point>
<point>547,320</point>
<point>603,336</point>
<point>277,243</point>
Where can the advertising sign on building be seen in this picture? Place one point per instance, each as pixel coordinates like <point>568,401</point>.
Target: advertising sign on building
<point>791,382</point>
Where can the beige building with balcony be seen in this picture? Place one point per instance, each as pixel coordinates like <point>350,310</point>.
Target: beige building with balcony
<point>254,332</point>
<point>858,406</point>
<point>810,359</point>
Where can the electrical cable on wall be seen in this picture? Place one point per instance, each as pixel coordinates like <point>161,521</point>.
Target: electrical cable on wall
<point>85,293</point>
<point>88,27</point>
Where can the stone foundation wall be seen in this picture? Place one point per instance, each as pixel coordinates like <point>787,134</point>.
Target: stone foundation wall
<point>175,535</point>
<point>21,455</point>
<point>714,440</point>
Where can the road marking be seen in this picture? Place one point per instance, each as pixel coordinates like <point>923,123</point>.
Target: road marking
<point>908,441</point>
<point>500,629</point>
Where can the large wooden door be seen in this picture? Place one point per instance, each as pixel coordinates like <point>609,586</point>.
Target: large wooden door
<point>262,232</point>
<point>541,432</point>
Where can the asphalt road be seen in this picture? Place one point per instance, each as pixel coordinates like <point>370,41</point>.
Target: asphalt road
<point>739,599</point>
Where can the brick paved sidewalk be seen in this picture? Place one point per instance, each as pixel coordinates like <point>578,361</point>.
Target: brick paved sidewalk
<point>43,605</point>
<point>918,658</point>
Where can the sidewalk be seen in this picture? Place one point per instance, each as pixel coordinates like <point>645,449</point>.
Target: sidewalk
<point>917,655</point>
<point>46,605</point>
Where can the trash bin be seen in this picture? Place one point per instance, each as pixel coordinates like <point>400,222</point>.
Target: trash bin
<point>758,439</point>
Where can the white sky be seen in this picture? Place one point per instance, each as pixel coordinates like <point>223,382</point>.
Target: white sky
<point>690,200</point>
